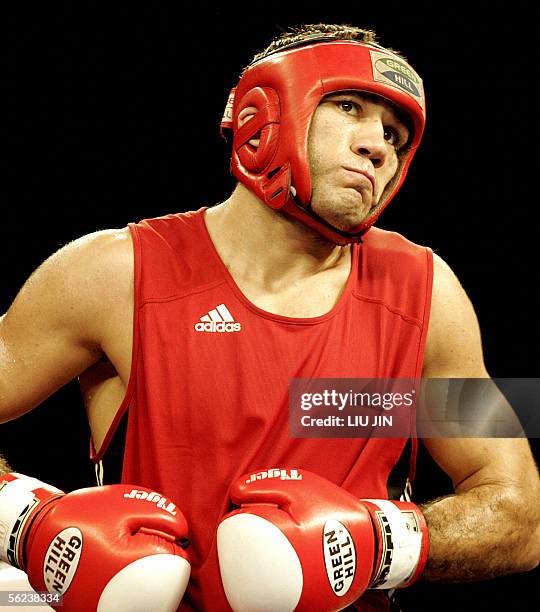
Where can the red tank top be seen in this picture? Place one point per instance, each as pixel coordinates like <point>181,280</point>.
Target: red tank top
<point>208,392</point>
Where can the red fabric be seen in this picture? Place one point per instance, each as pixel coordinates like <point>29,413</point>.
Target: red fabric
<point>206,407</point>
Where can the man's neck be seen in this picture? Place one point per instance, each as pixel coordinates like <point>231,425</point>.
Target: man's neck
<point>263,245</point>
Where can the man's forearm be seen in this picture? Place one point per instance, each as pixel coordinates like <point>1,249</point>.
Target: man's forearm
<point>488,531</point>
<point>4,467</point>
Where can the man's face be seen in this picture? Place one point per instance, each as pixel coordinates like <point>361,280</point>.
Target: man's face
<point>353,146</point>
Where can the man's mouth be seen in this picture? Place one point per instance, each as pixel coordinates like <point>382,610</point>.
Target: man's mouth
<point>361,176</point>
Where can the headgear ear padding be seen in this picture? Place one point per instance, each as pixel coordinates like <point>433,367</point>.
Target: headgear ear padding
<point>264,125</point>
<point>286,88</point>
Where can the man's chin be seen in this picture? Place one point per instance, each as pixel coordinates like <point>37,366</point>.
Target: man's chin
<point>348,224</point>
<point>351,215</point>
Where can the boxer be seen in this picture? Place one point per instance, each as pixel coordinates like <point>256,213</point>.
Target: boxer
<point>185,331</point>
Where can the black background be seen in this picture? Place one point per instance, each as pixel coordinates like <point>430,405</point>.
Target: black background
<point>112,115</point>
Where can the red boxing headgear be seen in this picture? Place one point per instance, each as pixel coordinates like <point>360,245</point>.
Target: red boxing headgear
<point>286,87</point>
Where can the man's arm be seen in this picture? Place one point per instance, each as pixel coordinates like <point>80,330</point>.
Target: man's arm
<point>491,525</point>
<point>67,315</point>
<point>64,319</point>
<point>4,467</point>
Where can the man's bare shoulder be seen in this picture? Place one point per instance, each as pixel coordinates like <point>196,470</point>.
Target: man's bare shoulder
<point>454,347</point>
<point>78,287</point>
<point>446,284</point>
<point>97,263</point>
<point>65,317</point>
<point>112,248</point>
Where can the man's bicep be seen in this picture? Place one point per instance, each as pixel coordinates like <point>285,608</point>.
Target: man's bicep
<point>52,331</point>
<point>35,362</point>
<point>472,462</point>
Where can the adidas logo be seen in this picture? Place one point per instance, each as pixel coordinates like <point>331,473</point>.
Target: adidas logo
<point>218,320</point>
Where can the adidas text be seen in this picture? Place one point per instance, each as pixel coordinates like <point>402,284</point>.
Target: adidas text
<point>217,327</point>
<point>218,320</point>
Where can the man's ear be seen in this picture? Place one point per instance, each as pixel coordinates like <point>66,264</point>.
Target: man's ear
<point>243,117</point>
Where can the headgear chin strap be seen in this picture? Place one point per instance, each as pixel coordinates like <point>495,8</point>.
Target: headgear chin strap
<point>286,88</point>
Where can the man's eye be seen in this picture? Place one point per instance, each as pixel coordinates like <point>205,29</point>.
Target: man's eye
<point>391,135</point>
<point>347,105</point>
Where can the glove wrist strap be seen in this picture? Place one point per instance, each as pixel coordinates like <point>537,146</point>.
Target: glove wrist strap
<point>403,543</point>
<point>21,498</point>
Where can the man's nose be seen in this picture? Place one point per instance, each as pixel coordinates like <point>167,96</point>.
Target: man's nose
<point>368,141</point>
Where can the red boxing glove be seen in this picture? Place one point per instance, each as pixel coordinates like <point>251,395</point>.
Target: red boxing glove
<point>299,542</point>
<point>113,548</point>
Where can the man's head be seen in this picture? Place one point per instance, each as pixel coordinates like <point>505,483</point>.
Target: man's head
<point>355,144</point>
<point>325,124</point>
